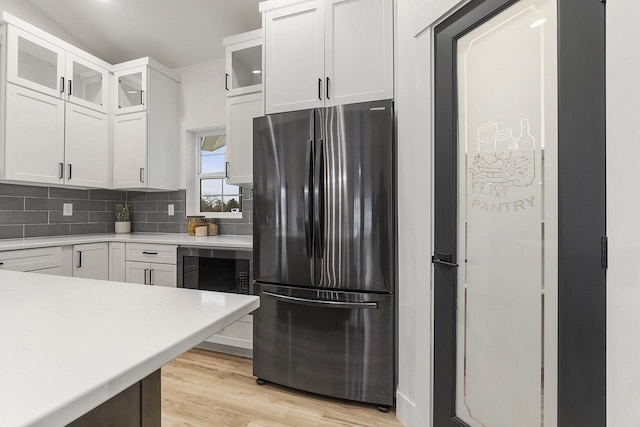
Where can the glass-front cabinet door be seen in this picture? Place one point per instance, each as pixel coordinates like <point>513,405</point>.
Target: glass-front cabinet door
<point>87,83</point>
<point>243,63</point>
<point>132,90</point>
<point>35,63</point>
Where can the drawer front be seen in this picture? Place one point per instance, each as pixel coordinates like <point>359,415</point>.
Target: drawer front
<point>163,254</point>
<point>31,259</point>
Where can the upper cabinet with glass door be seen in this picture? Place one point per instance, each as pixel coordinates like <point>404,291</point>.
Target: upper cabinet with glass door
<point>132,90</point>
<point>37,64</point>
<point>243,63</point>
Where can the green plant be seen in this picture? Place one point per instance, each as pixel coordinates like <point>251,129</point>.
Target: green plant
<point>122,212</point>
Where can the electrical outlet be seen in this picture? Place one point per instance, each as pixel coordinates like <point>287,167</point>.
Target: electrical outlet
<point>172,210</point>
<point>67,209</point>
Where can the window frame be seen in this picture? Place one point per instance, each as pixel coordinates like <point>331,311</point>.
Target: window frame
<point>198,175</point>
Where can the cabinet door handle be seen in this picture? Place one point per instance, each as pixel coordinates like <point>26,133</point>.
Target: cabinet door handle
<point>327,88</point>
<point>141,97</point>
<point>69,87</point>
<point>79,265</point>
<point>226,81</point>
<point>149,253</point>
<point>61,169</point>
<point>69,174</point>
<point>146,270</point>
<point>226,169</point>
<point>151,277</point>
<point>1,263</point>
<point>61,84</point>
<point>320,89</point>
<point>141,174</point>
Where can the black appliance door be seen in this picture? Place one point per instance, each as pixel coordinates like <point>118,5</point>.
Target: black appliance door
<point>333,343</point>
<point>282,215</point>
<point>355,212</point>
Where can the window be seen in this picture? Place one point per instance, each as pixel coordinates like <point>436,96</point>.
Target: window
<point>214,196</point>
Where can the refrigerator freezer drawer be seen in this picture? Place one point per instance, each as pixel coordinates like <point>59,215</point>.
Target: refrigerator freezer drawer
<point>337,344</point>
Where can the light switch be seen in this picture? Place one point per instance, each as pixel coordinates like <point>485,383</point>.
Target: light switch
<point>171,210</point>
<point>67,209</point>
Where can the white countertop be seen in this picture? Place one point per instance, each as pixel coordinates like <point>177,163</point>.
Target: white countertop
<point>225,241</point>
<point>70,344</point>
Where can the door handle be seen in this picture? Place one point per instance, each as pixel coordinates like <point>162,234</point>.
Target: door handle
<point>322,303</point>
<point>61,84</point>
<point>318,199</point>
<point>327,88</point>
<point>443,260</point>
<point>226,169</point>
<point>149,253</point>
<point>141,174</point>
<point>141,97</point>
<point>146,270</point>
<point>79,265</point>
<point>151,277</point>
<point>226,81</point>
<point>69,87</point>
<point>61,169</point>
<point>69,174</point>
<point>308,205</point>
<point>320,89</point>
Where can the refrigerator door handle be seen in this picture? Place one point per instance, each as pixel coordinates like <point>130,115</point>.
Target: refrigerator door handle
<point>318,199</point>
<point>322,303</point>
<point>308,207</point>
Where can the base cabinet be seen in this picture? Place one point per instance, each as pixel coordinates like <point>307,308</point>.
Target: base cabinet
<point>145,273</point>
<point>238,334</point>
<point>117,267</point>
<point>91,261</point>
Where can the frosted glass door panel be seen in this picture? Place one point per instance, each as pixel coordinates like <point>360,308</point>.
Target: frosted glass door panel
<point>506,351</point>
<point>132,86</point>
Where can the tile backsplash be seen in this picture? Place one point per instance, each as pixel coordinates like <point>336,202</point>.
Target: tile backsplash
<point>29,211</point>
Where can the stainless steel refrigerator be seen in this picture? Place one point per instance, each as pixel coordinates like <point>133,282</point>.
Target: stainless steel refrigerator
<point>325,250</point>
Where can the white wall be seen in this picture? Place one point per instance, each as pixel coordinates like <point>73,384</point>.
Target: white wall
<point>28,12</point>
<point>623,207</point>
<point>202,101</point>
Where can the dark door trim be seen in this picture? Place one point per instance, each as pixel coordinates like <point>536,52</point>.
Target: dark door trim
<point>581,209</point>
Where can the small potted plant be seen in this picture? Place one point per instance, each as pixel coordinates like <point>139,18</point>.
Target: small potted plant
<point>123,223</point>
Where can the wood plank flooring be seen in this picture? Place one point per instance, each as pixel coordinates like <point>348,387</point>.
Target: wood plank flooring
<point>203,388</point>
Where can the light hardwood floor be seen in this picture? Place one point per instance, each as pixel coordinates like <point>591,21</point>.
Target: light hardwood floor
<point>203,388</point>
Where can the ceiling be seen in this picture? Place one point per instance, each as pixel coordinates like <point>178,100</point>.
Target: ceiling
<point>173,32</point>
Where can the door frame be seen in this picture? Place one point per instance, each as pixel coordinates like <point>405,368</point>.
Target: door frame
<point>581,396</point>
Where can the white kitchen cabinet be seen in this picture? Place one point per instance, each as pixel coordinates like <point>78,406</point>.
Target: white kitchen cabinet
<point>148,252</point>
<point>239,334</point>
<point>358,57</point>
<point>241,110</point>
<point>87,83</point>
<point>46,260</point>
<point>294,56</point>
<point>91,261</point>
<point>86,147</point>
<point>154,274</point>
<point>243,61</point>
<point>117,266</point>
<point>145,141</point>
<point>35,63</point>
<point>326,52</point>
<point>34,136</point>
<point>131,89</point>
<point>130,150</point>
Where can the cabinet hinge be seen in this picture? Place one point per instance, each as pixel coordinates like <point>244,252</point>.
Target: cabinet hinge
<point>604,252</point>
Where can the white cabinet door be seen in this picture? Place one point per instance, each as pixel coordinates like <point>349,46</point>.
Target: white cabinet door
<point>86,147</point>
<point>358,50</point>
<point>294,57</point>
<point>91,261</point>
<point>117,269</point>
<point>137,272</point>
<point>163,275</point>
<point>35,63</point>
<point>243,63</point>
<point>130,150</point>
<point>241,110</point>
<point>131,90</point>
<point>87,83</point>
<point>34,136</point>
<point>31,259</point>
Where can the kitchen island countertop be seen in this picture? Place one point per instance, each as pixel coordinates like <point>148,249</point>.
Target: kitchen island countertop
<point>70,344</point>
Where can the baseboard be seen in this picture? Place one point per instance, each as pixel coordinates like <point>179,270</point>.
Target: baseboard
<point>221,348</point>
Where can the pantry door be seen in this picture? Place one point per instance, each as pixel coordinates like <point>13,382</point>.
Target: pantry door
<point>519,236</point>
